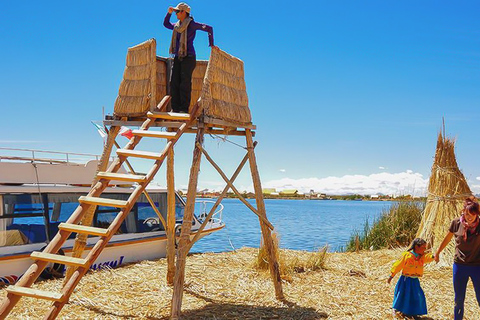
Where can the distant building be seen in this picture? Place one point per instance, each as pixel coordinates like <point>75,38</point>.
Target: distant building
<point>269,191</point>
<point>289,193</point>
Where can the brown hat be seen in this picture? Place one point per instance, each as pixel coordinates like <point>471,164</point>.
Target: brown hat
<point>182,6</point>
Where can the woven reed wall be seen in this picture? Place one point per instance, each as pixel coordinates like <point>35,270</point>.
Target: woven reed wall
<point>197,81</point>
<point>139,81</point>
<point>224,94</point>
<point>219,82</point>
<point>162,80</point>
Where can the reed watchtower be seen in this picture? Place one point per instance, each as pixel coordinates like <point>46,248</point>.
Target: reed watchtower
<point>219,106</point>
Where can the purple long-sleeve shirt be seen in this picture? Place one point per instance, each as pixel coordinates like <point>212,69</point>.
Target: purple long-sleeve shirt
<point>191,33</point>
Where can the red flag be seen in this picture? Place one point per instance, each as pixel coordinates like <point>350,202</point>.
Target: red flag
<point>126,132</point>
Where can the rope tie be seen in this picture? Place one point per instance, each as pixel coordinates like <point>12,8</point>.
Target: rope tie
<point>224,139</point>
<point>455,197</point>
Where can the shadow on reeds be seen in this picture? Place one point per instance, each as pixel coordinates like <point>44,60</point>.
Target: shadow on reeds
<point>236,311</point>
<point>222,310</point>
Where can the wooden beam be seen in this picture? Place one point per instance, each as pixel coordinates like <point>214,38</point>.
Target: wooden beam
<point>183,247</point>
<point>103,201</point>
<point>208,121</point>
<point>57,258</point>
<point>230,184</point>
<point>34,293</point>
<point>78,228</point>
<point>170,230</point>
<point>267,236</point>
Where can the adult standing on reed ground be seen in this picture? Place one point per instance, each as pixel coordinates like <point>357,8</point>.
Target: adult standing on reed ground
<point>466,230</point>
<point>181,47</point>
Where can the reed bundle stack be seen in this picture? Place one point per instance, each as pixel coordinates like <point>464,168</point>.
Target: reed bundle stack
<point>137,92</point>
<point>224,93</point>
<point>447,190</point>
<point>219,84</point>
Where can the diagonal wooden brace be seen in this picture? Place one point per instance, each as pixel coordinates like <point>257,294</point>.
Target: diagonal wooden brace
<point>230,184</point>
<point>219,199</point>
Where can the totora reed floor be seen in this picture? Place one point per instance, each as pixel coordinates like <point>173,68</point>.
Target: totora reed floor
<point>225,286</point>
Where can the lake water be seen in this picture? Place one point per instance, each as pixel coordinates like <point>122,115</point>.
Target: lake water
<point>300,224</point>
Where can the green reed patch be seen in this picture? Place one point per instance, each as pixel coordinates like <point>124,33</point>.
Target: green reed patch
<point>396,226</point>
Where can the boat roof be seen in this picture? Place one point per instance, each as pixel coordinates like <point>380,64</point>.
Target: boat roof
<point>54,173</point>
<point>35,189</point>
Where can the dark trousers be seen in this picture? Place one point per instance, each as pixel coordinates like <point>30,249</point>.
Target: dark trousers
<point>461,274</point>
<point>181,83</point>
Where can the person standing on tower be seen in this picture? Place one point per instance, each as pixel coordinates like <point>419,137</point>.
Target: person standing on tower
<point>181,47</point>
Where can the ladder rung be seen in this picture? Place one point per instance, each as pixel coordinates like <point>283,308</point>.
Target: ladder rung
<point>121,176</point>
<point>169,115</point>
<point>139,154</point>
<point>103,202</point>
<point>154,134</point>
<point>34,293</point>
<point>56,258</point>
<point>83,229</point>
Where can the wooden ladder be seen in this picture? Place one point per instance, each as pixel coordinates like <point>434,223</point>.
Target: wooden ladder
<point>48,255</point>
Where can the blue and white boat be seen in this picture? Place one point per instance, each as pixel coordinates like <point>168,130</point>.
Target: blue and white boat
<point>38,193</point>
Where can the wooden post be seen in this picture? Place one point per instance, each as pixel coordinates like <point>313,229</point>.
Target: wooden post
<point>170,229</point>
<point>267,236</point>
<point>81,239</point>
<point>183,245</point>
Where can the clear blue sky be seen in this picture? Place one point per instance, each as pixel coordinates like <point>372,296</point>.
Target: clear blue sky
<point>336,88</point>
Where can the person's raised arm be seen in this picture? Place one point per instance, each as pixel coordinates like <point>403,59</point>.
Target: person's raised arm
<point>206,28</point>
<point>444,243</point>
<point>166,22</point>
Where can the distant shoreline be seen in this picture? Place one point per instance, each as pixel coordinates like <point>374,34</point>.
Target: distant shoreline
<point>346,198</point>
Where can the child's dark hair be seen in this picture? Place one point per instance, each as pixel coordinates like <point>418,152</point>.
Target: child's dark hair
<point>471,205</point>
<point>415,243</point>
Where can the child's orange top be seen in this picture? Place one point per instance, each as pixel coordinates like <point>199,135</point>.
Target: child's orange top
<point>411,264</point>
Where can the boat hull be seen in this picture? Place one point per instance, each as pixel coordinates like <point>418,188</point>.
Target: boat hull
<point>121,250</point>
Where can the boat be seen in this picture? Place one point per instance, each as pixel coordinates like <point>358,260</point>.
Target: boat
<point>39,192</point>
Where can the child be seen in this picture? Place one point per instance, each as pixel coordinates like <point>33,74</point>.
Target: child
<point>409,298</point>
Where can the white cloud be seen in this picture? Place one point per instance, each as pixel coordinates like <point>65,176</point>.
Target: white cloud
<point>478,178</point>
<point>283,170</point>
<point>400,183</point>
<point>381,168</point>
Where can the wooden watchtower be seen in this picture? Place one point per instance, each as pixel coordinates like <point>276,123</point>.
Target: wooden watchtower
<point>219,106</point>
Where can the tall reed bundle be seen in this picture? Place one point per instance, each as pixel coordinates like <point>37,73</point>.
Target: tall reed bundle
<point>446,191</point>
<point>137,91</point>
<point>224,94</point>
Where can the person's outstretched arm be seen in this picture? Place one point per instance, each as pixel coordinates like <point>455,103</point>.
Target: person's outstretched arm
<point>166,22</point>
<point>206,28</point>
<point>444,243</point>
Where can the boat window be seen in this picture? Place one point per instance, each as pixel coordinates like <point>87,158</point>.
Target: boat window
<point>22,220</point>
<point>60,212</point>
<point>179,208</point>
<point>104,217</point>
<point>147,218</point>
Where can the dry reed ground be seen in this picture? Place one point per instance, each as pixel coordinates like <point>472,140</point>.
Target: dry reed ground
<point>225,286</point>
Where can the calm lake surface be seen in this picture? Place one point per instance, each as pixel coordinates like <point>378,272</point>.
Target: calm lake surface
<point>300,224</point>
